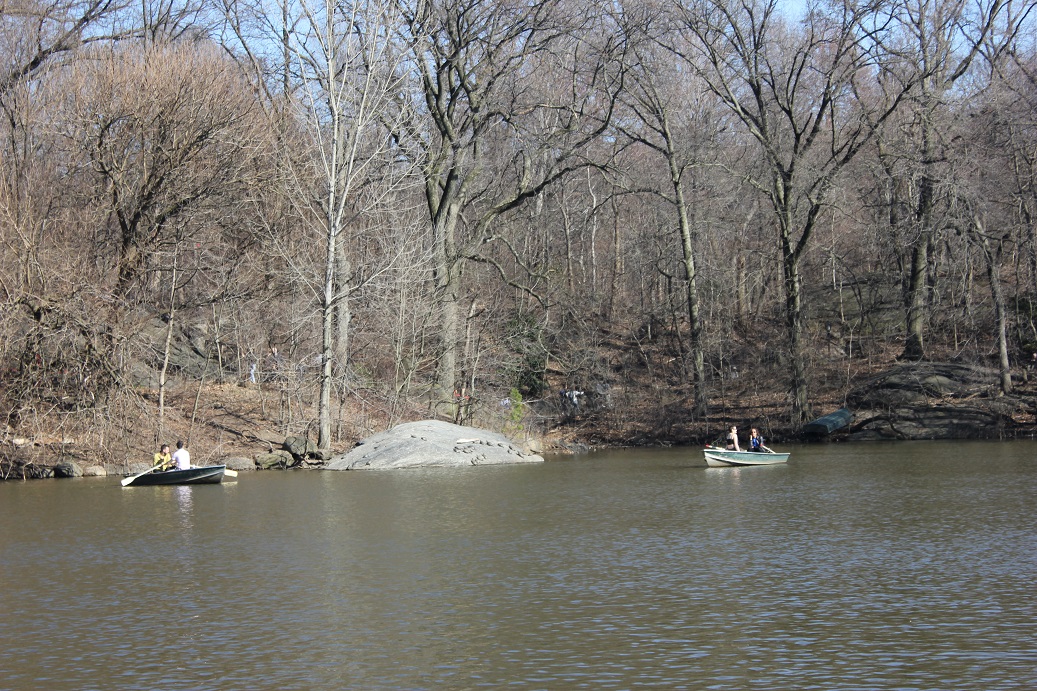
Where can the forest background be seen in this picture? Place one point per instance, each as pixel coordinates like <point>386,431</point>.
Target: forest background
<point>224,220</point>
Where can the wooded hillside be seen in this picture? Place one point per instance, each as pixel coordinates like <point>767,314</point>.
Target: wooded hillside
<point>374,211</point>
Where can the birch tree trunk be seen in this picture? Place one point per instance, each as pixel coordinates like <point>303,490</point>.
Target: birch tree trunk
<point>165,355</point>
<point>347,71</point>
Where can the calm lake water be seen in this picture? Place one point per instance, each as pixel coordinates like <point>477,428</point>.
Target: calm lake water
<point>884,566</point>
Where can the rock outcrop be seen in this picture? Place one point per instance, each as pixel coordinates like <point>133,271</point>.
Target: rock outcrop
<point>238,463</point>
<point>67,469</point>
<point>932,400</point>
<point>275,460</point>
<point>431,443</point>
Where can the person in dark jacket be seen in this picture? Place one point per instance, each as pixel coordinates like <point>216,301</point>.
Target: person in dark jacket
<point>756,441</point>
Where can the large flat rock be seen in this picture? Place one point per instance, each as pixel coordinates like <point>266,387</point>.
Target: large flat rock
<point>431,443</point>
<point>932,400</point>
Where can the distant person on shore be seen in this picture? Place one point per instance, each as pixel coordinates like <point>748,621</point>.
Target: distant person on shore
<point>732,439</point>
<point>182,457</point>
<point>162,459</point>
<point>570,400</point>
<point>755,441</point>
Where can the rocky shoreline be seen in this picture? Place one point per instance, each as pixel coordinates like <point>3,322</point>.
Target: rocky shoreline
<point>910,401</point>
<point>930,400</point>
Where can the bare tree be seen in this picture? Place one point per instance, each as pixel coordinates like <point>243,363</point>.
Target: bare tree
<point>152,126</point>
<point>162,139</point>
<point>34,34</point>
<point>942,39</point>
<point>678,120</point>
<point>1008,129</point>
<point>342,166</point>
<point>993,250</point>
<point>512,95</point>
<point>992,199</point>
<point>806,94</point>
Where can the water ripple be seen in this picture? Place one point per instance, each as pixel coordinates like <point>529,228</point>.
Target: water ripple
<point>843,571</point>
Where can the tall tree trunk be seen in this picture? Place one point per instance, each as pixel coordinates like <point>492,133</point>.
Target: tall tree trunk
<point>790,253</point>
<point>801,411</point>
<point>617,259</point>
<point>446,211</point>
<point>992,260</point>
<point>165,357</point>
<point>698,360</point>
<point>327,351</point>
<point>333,210</point>
<point>917,298</point>
<point>343,319</point>
<point>570,272</point>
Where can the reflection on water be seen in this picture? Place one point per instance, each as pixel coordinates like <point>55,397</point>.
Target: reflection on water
<point>184,494</point>
<point>901,566</point>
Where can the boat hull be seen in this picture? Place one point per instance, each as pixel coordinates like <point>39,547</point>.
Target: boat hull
<point>719,458</point>
<point>823,426</point>
<point>208,475</point>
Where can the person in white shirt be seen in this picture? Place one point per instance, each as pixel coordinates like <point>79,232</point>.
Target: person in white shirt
<point>181,457</point>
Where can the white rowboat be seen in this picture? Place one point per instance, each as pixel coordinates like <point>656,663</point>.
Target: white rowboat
<point>718,458</point>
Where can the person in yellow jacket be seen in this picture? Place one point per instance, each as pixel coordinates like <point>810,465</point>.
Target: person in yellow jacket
<point>162,459</point>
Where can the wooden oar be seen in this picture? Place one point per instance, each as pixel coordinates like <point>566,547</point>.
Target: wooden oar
<point>226,471</point>
<point>766,449</point>
<point>128,480</point>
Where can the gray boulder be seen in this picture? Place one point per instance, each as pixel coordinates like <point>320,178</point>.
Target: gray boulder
<point>300,447</point>
<point>134,467</point>
<point>276,460</point>
<point>431,443</point>
<point>67,469</point>
<point>95,471</point>
<point>238,463</point>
